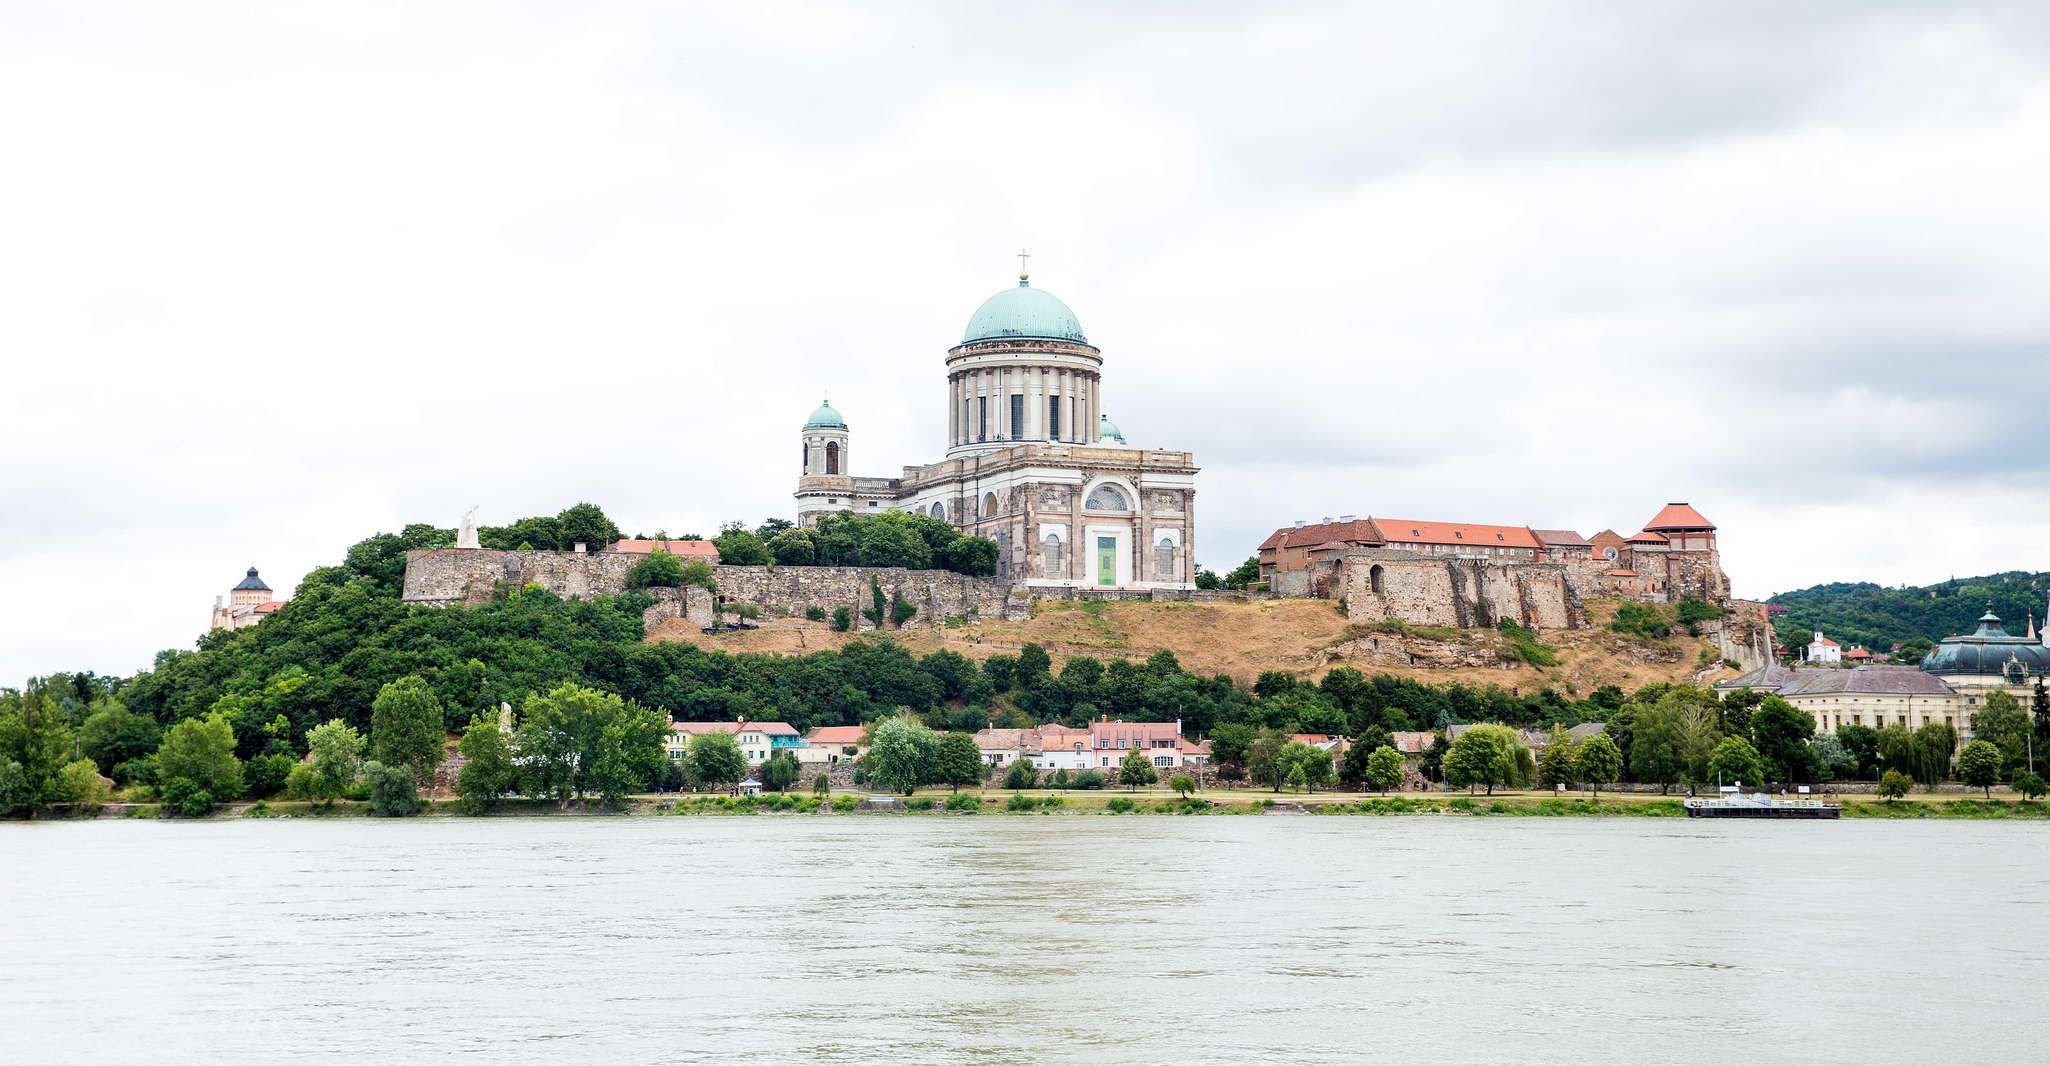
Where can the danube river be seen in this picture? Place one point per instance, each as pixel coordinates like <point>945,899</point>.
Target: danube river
<point>1004,939</point>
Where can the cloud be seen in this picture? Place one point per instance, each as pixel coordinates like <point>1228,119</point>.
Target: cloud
<point>284,277</point>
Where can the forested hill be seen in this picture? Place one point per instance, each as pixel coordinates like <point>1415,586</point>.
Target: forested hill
<point>1876,617</point>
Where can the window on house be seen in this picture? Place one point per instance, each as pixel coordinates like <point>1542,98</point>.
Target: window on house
<point>989,505</point>
<point>1050,555</point>
<point>939,510</point>
<point>982,418</point>
<point>1053,418</point>
<point>1017,416</point>
<point>1164,559</point>
<point>832,457</point>
<point>1108,498</point>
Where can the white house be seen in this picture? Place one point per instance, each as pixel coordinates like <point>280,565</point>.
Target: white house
<point>1824,651</point>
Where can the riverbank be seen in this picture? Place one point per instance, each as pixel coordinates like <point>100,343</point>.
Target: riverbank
<point>1046,803</point>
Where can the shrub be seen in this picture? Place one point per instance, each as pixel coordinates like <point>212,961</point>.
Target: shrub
<point>302,782</point>
<point>815,612</point>
<point>1524,644</point>
<point>843,619</point>
<point>2030,785</point>
<point>1182,783</point>
<point>843,804</point>
<point>1120,805</point>
<point>901,609</point>
<point>964,801</point>
<point>876,611</point>
<point>659,570</point>
<point>141,771</point>
<point>1643,620</point>
<point>745,611</point>
<point>1052,803</point>
<point>1021,774</point>
<point>390,790</point>
<point>1088,779</point>
<point>1894,784</point>
<point>1691,611</point>
<point>1058,780</point>
<point>183,795</point>
<point>1021,803</point>
<point>918,803</point>
<point>821,785</point>
<point>83,786</point>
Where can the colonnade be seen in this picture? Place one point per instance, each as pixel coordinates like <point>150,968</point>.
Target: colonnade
<point>979,404</point>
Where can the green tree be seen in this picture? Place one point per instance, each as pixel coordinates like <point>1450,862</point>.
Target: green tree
<point>1244,574</point>
<point>35,736</point>
<point>584,523</point>
<point>659,569</point>
<point>821,783</point>
<point>779,772</point>
<point>488,771</point>
<point>900,753</point>
<point>715,761</point>
<point>1671,739</point>
<point>83,786</point>
<point>1599,762</point>
<point>1735,761</point>
<point>264,776</point>
<point>793,547</point>
<point>2029,784</point>
<point>1183,784</point>
<point>1556,762</point>
<point>1296,779</point>
<point>1263,758</point>
<point>1782,731</point>
<point>2003,723</point>
<point>202,750</point>
<point>892,543</point>
<point>1316,765</point>
<point>1932,748</point>
<point>1893,785</point>
<point>1207,579</point>
<point>406,727</point>
<point>393,793</point>
<point>1384,769</point>
<point>1483,755</point>
<point>1021,774</point>
<point>1135,770</point>
<point>110,735</point>
<point>574,741</point>
<point>1861,749</point>
<point>1980,765</point>
<point>740,547</point>
<point>13,786</point>
<point>973,556</point>
<point>337,751</point>
<point>957,761</point>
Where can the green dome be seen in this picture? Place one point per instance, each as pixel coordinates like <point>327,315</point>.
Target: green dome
<point>1024,312</point>
<point>1108,430</point>
<point>825,418</point>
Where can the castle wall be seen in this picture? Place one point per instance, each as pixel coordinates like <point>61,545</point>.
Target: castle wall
<point>1457,592</point>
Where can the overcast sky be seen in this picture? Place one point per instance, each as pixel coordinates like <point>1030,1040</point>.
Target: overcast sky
<point>275,277</point>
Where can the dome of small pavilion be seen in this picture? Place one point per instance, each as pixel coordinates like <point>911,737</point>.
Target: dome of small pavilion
<point>1108,430</point>
<point>824,417</point>
<point>1987,651</point>
<point>1027,313</point>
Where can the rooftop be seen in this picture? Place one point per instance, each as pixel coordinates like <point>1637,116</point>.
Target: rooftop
<point>1881,680</point>
<point>1678,516</point>
<point>251,583</point>
<point>689,549</point>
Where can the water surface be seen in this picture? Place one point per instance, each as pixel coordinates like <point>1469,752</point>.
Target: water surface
<point>1003,939</point>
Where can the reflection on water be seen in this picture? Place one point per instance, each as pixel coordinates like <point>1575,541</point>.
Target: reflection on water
<point>995,939</point>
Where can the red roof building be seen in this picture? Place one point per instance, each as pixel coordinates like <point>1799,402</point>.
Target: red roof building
<point>683,549</point>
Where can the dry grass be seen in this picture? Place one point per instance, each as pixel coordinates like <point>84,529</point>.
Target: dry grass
<point>1303,637</point>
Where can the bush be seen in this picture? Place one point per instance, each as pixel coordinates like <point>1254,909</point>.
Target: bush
<point>843,619</point>
<point>843,804</point>
<point>141,771</point>
<point>964,801</point>
<point>1894,784</point>
<point>918,803</point>
<point>302,782</point>
<point>1525,645</point>
<point>1120,805</point>
<point>1052,803</point>
<point>183,795</point>
<point>1182,783</point>
<point>1089,779</point>
<point>901,609</point>
<point>265,775</point>
<point>1021,803</point>
<point>815,612</point>
<point>1691,611</point>
<point>1643,620</point>
<point>2030,785</point>
<point>821,785</point>
<point>83,786</point>
<point>390,790</point>
<point>659,570</point>
<point>1021,774</point>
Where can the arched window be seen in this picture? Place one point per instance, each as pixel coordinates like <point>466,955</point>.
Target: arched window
<point>1108,498</point>
<point>804,461</point>
<point>939,511</point>
<point>1609,554</point>
<point>1374,578</point>
<point>1050,555</point>
<point>1163,562</point>
<point>989,505</point>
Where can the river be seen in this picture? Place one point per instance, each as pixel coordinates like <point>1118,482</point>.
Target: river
<point>1003,939</point>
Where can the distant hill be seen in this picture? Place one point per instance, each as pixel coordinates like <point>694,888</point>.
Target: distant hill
<point>1877,617</point>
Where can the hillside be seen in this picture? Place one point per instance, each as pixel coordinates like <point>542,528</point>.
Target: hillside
<point>1877,617</point>
<point>1303,637</point>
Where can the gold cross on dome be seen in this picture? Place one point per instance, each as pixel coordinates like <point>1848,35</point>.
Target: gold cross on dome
<point>1022,256</point>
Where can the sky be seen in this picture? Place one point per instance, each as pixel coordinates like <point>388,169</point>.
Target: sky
<point>275,277</point>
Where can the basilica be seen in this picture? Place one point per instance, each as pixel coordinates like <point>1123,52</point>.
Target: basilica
<point>1033,462</point>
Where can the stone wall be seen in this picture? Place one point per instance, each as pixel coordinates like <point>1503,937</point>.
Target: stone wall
<point>469,576</point>
<point>1421,590</point>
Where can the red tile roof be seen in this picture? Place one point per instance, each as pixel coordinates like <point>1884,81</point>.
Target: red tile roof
<point>688,549</point>
<point>1360,531</point>
<point>694,728</point>
<point>837,734</point>
<point>1416,531</point>
<point>1560,538</point>
<point>1648,537</point>
<point>1678,516</point>
<point>1413,741</point>
<point>266,608</point>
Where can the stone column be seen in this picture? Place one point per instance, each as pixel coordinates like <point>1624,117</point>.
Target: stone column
<point>1189,535</point>
<point>1077,533</point>
<point>1144,568</point>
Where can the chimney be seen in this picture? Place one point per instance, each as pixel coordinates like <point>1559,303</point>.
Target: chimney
<point>1347,517</point>
<point>1327,519</point>
<point>579,549</point>
<point>1299,523</point>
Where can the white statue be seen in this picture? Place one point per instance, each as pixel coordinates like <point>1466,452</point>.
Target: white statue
<point>467,536</point>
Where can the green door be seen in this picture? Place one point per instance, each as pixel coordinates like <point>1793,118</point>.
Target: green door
<point>1106,560</point>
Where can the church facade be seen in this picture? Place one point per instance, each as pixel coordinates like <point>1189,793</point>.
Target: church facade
<point>1033,461</point>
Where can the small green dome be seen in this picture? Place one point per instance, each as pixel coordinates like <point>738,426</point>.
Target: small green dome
<point>825,418</point>
<point>1024,312</point>
<point>1108,430</point>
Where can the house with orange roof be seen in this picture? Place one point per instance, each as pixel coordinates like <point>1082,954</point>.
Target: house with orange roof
<point>1823,651</point>
<point>829,744</point>
<point>248,603</point>
<point>682,549</point>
